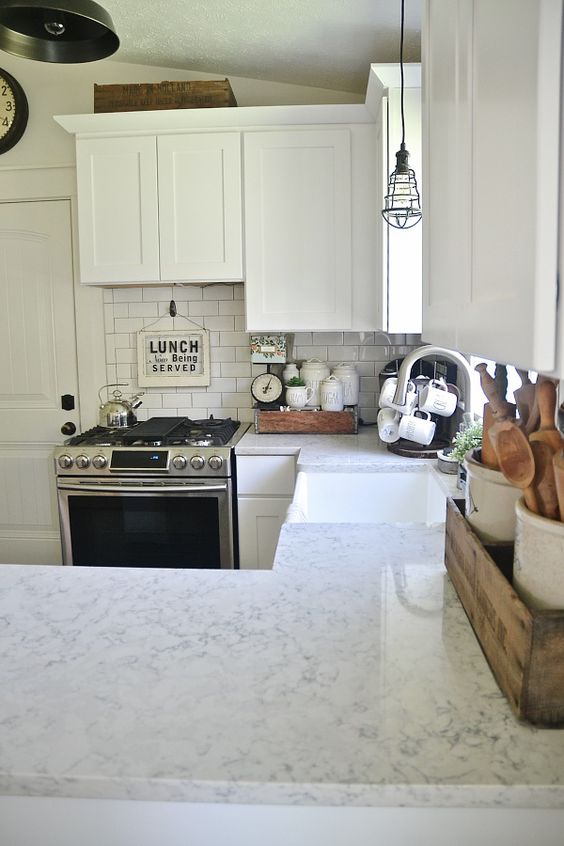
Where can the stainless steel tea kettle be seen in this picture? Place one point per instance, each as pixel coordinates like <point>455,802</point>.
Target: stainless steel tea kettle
<point>117,413</point>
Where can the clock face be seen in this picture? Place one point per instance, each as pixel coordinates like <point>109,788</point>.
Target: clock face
<point>13,111</point>
<point>266,388</point>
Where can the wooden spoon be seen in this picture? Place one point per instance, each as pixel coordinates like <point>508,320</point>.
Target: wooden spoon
<point>558,464</point>
<point>547,433</point>
<point>524,397</point>
<point>544,483</point>
<point>516,460</point>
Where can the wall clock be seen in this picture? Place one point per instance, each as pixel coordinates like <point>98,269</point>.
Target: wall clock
<point>13,111</point>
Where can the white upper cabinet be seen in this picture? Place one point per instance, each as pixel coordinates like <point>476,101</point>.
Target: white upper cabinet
<point>118,210</point>
<point>200,206</point>
<point>310,219</point>
<point>160,209</point>
<point>491,108</point>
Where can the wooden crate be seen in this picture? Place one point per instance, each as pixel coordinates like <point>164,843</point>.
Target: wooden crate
<point>138,97</point>
<point>306,422</point>
<point>524,647</point>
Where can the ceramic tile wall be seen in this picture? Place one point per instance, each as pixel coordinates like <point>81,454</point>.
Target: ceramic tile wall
<point>220,310</point>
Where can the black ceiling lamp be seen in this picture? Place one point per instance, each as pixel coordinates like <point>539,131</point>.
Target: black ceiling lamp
<point>57,30</point>
<point>402,203</point>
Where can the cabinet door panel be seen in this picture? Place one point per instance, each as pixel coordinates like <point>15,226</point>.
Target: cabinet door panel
<point>446,167</point>
<point>260,520</point>
<point>200,206</point>
<point>509,314</point>
<point>117,210</point>
<point>298,229</point>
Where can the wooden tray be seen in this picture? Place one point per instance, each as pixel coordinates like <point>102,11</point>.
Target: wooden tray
<point>139,97</point>
<point>524,647</point>
<point>306,422</point>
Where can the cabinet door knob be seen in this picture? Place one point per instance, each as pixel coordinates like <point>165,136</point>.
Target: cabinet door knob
<point>68,428</point>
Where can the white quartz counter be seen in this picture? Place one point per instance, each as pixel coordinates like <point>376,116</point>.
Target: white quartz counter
<point>349,675</point>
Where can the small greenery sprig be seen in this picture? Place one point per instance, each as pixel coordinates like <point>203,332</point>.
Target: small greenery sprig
<point>295,382</point>
<point>471,438</point>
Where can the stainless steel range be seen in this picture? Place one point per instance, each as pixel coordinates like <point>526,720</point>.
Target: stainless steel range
<point>161,493</point>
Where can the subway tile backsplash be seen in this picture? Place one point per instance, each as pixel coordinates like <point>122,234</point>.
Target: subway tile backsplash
<point>221,310</point>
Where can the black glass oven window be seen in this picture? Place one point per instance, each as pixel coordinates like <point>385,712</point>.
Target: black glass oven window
<point>129,531</point>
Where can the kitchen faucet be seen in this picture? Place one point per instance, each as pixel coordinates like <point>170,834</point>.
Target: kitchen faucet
<point>431,351</point>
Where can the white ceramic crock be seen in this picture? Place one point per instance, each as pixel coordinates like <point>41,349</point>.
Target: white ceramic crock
<point>331,394</point>
<point>290,372</point>
<point>313,372</point>
<point>490,501</point>
<point>538,566</point>
<point>348,375</point>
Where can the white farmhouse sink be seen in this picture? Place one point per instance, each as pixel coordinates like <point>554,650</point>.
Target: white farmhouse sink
<point>413,496</point>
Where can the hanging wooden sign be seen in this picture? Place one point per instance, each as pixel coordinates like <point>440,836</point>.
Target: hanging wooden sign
<point>173,358</point>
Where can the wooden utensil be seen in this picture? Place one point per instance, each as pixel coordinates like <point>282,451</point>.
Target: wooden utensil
<point>502,410</point>
<point>524,397</point>
<point>558,464</point>
<point>516,460</point>
<point>544,483</point>
<point>546,400</point>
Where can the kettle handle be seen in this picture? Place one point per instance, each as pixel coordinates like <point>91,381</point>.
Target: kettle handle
<point>110,385</point>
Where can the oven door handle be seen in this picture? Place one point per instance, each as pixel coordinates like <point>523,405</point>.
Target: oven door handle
<point>132,489</point>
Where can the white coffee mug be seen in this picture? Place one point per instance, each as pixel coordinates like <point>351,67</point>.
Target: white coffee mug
<point>388,425</point>
<point>414,427</point>
<point>437,399</point>
<point>386,399</point>
<point>297,396</point>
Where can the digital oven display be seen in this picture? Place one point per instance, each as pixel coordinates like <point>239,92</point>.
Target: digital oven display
<point>139,459</point>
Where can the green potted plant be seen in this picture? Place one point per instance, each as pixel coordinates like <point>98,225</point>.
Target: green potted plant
<point>295,382</point>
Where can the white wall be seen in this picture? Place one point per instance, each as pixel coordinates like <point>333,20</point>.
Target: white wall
<point>54,89</point>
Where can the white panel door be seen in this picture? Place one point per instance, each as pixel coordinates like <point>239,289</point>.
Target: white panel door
<point>298,229</point>
<point>200,206</point>
<point>37,326</point>
<point>260,520</point>
<point>118,210</point>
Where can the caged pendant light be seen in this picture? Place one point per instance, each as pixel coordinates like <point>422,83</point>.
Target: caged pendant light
<point>402,203</point>
<point>57,30</point>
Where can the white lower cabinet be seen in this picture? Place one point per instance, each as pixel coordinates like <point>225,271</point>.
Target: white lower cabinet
<point>265,485</point>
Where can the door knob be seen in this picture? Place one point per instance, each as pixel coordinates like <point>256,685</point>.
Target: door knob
<point>68,428</point>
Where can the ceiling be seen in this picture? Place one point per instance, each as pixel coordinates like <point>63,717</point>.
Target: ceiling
<point>320,43</point>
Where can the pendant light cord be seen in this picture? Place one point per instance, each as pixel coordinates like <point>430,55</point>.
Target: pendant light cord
<point>401,73</point>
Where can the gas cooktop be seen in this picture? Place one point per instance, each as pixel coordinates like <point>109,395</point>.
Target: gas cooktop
<point>162,431</point>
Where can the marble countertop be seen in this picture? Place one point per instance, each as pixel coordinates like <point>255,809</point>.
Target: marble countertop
<point>349,675</point>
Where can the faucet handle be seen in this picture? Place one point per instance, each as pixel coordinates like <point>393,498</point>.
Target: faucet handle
<point>501,409</point>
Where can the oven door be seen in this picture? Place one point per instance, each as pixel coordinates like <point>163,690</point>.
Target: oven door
<point>147,523</point>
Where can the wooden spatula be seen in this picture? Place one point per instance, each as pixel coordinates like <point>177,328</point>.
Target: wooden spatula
<point>544,483</point>
<point>516,460</point>
<point>547,432</point>
<point>524,397</point>
<point>558,464</point>
<point>495,409</point>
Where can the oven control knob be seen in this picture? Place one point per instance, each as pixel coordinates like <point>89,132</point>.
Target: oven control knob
<point>82,462</point>
<point>99,462</point>
<point>197,462</point>
<point>65,461</point>
<point>179,462</point>
<point>215,462</point>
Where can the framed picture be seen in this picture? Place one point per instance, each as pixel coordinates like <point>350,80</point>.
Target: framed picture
<point>173,358</point>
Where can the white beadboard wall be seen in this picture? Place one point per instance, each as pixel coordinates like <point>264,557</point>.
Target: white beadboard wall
<point>221,310</point>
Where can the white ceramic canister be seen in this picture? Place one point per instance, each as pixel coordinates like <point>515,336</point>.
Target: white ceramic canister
<point>313,372</point>
<point>351,382</point>
<point>331,394</point>
<point>290,372</point>
<point>490,501</point>
<point>538,566</point>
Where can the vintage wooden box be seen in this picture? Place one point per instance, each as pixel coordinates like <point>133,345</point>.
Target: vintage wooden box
<point>306,422</point>
<point>524,647</point>
<point>138,97</point>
